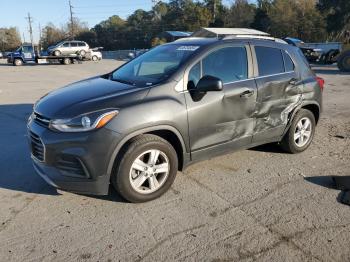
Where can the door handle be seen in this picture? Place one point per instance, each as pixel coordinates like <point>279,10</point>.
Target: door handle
<point>247,93</point>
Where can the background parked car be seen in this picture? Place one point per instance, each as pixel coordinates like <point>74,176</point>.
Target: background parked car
<point>1,55</point>
<point>68,48</point>
<point>94,54</point>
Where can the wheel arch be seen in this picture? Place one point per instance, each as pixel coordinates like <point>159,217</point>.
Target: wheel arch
<point>169,133</point>
<point>314,108</point>
<point>311,106</point>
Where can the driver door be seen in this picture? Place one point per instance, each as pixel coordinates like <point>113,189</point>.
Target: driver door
<point>28,53</point>
<point>220,117</point>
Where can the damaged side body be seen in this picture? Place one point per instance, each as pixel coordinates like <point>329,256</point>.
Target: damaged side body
<point>254,109</point>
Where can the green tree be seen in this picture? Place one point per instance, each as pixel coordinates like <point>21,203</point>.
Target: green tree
<point>89,37</point>
<point>311,24</point>
<point>337,13</point>
<point>111,33</point>
<point>9,39</point>
<point>51,35</point>
<point>262,21</point>
<point>240,14</point>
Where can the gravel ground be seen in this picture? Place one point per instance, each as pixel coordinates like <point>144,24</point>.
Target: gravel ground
<point>259,204</point>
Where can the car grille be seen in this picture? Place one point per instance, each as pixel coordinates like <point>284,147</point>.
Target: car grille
<point>71,166</point>
<point>41,120</point>
<point>37,147</point>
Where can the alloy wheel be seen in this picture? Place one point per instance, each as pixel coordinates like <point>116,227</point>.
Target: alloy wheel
<point>303,131</point>
<point>149,171</point>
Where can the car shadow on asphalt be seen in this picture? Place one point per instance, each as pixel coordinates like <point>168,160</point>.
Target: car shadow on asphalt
<point>334,182</point>
<point>16,170</point>
<point>112,196</point>
<point>269,148</point>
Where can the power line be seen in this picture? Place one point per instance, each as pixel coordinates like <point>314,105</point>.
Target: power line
<point>30,21</point>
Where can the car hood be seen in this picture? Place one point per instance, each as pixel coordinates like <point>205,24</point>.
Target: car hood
<point>86,96</point>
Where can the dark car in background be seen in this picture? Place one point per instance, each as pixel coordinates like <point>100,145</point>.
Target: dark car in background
<point>177,104</point>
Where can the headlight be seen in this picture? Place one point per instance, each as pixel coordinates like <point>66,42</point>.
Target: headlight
<point>85,122</point>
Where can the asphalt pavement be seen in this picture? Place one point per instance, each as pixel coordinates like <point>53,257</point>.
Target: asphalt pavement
<point>258,204</point>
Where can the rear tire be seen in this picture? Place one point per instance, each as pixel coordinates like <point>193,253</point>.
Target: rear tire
<point>57,53</point>
<point>344,61</point>
<point>146,169</point>
<point>18,62</point>
<point>82,53</point>
<point>67,61</point>
<point>94,58</point>
<point>300,133</point>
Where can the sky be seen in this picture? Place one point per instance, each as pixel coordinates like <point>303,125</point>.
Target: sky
<point>14,12</point>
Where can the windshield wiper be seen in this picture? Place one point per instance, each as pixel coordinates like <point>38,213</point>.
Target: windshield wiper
<point>123,81</point>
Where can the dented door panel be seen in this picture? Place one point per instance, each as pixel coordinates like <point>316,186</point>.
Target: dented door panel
<point>278,95</point>
<point>222,116</point>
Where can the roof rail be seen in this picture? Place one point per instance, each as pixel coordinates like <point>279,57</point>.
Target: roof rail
<point>255,37</point>
<point>189,38</point>
<point>221,32</point>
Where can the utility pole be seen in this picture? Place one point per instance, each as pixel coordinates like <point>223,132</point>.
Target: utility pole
<point>30,21</point>
<point>39,38</point>
<point>71,19</point>
<point>24,39</point>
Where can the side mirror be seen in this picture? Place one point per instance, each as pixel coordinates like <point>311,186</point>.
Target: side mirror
<point>209,83</point>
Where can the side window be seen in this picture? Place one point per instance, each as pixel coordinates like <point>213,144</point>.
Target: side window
<point>81,44</point>
<point>27,49</point>
<point>288,63</point>
<point>194,75</point>
<point>270,60</point>
<point>65,45</point>
<point>73,44</point>
<point>229,64</point>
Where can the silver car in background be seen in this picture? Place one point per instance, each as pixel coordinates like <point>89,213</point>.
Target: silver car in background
<point>68,48</point>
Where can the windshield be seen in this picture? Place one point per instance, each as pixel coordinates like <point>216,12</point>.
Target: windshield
<point>154,66</point>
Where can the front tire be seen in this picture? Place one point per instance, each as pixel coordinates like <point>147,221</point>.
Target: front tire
<point>57,53</point>
<point>18,62</point>
<point>94,58</point>
<point>82,53</point>
<point>146,169</point>
<point>300,133</point>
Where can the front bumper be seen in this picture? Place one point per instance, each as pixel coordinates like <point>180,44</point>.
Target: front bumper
<point>75,162</point>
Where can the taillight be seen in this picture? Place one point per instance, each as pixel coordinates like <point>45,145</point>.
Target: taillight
<point>320,82</point>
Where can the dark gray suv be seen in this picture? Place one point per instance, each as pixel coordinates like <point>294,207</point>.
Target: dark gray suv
<point>177,104</point>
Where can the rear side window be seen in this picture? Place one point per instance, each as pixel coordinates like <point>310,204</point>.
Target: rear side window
<point>81,44</point>
<point>228,64</point>
<point>270,60</point>
<point>288,63</point>
<point>73,44</point>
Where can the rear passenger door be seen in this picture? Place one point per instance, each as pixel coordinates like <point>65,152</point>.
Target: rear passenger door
<point>74,47</point>
<point>279,91</point>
